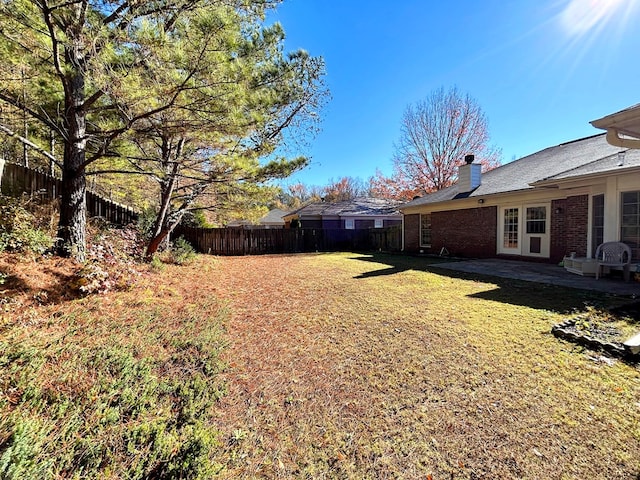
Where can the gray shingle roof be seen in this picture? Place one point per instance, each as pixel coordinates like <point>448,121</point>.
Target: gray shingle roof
<point>579,157</point>
<point>360,206</point>
<point>625,121</point>
<point>607,164</point>
<point>273,217</point>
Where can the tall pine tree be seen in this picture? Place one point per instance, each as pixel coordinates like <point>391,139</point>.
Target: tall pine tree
<point>111,77</point>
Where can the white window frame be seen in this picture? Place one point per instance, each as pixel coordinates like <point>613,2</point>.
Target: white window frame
<point>349,224</point>
<point>378,223</point>
<point>522,235</point>
<point>591,248</point>
<point>428,245</point>
<point>621,217</point>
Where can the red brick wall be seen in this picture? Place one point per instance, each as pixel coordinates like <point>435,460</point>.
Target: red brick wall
<point>558,247</point>
<point>473,232</point>
<point>576,221</point>
<point>465,233</point>
<point>412,233</point>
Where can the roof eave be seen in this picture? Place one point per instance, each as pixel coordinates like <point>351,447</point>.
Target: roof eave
<point>557,182</point>
<point>625,122</point>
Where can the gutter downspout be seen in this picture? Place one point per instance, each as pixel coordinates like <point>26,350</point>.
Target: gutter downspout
<point>402,248</point>
<point>613,137</point>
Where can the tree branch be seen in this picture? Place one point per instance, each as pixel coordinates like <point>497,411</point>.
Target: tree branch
<point>16,102</point>
<point>25,141</point>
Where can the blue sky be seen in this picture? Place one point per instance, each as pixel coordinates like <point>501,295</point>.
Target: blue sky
<point>540,70</point>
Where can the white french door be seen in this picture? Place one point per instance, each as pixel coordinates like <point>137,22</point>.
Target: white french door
<point>525,230</point>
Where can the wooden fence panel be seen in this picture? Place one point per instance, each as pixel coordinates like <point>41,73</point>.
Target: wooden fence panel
<point>17,180</point>
<point>257,241</point>
<point>386,239</point>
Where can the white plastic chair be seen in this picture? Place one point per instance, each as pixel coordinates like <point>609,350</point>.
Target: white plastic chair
<point>616,255</point>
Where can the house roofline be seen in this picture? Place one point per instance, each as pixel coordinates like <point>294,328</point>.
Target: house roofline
<point>555,182</point>
<point>625,122</point>
<point>547,184</point>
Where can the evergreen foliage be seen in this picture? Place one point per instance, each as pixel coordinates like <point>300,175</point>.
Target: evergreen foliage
<point>189,95</point>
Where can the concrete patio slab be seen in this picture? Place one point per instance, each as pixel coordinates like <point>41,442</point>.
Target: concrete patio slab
<point>543,273</point>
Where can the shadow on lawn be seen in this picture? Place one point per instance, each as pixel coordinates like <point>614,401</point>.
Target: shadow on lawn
<point>397,263</point>
<point>510,291</point>
<point>56,290</point>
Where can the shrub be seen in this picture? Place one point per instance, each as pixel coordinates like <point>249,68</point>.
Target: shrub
<point>146,220</point>
<point>20,229</point>
<point>181,252</point>
<point>110,244</point>
<point>93,278</point>
<point>195,218</point>
<point>112,254</point>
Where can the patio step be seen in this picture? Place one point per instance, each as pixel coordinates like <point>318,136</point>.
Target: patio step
<point>633,344</point>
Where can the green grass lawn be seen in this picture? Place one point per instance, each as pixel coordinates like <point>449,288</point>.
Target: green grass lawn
<point>313,366</point>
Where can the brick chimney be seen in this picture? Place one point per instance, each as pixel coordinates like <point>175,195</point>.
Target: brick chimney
<point>469,175</point>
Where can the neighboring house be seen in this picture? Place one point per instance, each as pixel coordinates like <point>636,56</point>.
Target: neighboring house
<point>357,214</point>
<point>567,198</point>
<point>273,219</point>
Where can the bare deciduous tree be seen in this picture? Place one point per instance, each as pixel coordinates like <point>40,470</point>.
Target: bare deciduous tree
<point>345,188</point>
<point>435,136</point>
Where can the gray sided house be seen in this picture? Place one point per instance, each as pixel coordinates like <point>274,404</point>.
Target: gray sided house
<point>357,214</point>
<point>567,198</point>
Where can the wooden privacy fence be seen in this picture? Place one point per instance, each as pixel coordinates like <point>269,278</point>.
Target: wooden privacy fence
<point>256,241</point>
<point>18,179</point>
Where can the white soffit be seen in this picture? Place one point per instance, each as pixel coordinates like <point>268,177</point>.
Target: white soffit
<point>623,128</point>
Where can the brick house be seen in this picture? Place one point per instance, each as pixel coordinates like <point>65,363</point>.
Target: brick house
<point>567,198</point>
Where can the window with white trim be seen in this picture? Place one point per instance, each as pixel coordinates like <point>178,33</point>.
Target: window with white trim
<point>349,224</point>
<point>510,235</point>
<point>378,223</point>
<point>536,220</point>
<point>597,222</point>
<point>630,224</point>
<point>425,229</point>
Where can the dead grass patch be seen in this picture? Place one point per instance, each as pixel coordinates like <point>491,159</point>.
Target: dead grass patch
<point>118,385</point>
<point>337,366</point>
<point>348,366</point>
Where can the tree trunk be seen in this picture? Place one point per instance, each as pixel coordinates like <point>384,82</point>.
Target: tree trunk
<point>73,208</point>
<point>156,241</point>
<point>162,228</point>
<point>168,227</point>
<point>73,215</point>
